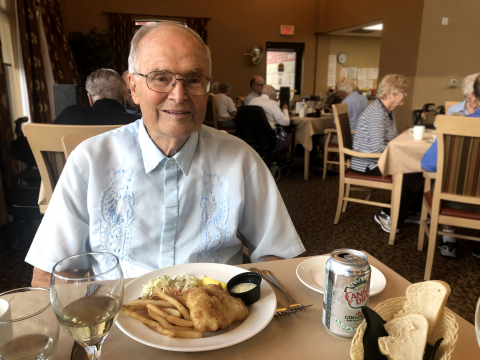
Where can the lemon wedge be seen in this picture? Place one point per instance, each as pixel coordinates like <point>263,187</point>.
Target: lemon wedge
<point>207,281</point>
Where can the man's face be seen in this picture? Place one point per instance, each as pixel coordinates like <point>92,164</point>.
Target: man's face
<point>176,114</point>
<point>258,85</point>
<point>399,98</point>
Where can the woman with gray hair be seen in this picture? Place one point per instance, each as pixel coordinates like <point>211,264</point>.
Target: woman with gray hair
<point>469,105</point>
<point>376,127</point>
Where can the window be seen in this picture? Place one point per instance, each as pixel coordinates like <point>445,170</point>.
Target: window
<point>284,65</point>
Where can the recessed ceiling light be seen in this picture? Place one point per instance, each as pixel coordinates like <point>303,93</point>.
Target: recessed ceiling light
<point>374,27</point>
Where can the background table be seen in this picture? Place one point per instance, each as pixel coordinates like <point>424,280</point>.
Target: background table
<point>305,128</point>
<point>297,336</point>
<point>404,154</point>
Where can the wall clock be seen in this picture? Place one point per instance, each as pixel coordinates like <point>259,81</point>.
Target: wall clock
<point>342,58</point>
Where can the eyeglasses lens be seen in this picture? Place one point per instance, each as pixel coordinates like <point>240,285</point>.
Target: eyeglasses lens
<point>164,82</point>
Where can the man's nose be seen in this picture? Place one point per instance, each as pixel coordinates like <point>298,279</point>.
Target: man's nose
<point>179,93</point>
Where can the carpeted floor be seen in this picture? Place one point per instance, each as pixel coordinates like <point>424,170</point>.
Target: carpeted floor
<point>312,206</point>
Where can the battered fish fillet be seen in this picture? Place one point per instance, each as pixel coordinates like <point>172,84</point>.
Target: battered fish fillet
<point>213,308</point>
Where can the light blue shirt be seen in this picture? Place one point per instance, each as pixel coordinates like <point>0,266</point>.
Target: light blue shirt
<point>119,193</point>
<point>249,98</point>
<point>356,105</point>
<point>460,108</point>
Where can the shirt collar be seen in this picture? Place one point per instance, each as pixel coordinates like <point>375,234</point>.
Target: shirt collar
<point>390,114</point>
<point>152,156</point>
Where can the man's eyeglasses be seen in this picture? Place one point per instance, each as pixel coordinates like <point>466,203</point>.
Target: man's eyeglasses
<point>165,81</point>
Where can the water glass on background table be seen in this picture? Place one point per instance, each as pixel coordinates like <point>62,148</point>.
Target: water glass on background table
<point>28,327</point>
<point>87,293</point>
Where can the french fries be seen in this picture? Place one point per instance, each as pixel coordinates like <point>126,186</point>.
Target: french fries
<point>170,318</point>
<point>163,313</point>
<point>153,324</point>
<point>172,301</point>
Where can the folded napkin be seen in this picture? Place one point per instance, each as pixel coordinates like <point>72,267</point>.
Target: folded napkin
<point>376,330</point>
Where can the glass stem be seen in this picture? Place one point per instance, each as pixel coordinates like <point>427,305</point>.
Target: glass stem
<point>93,351</point>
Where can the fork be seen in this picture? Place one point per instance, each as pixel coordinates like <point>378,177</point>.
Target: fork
<point>293,305</point>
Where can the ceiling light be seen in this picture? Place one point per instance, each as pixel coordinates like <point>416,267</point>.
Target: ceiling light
<point>374,27</point>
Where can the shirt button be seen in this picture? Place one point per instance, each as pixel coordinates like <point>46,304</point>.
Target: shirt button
<point>170,162</point>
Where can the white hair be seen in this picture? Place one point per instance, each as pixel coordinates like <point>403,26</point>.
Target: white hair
<point>346,85</point>
<point>270,91</point>
<point>144,30</point>
<point>467,84</point>
<point>105,83</point>
<point>391,83</point>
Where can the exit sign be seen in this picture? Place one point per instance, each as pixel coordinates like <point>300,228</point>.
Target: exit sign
<point>286,29</point>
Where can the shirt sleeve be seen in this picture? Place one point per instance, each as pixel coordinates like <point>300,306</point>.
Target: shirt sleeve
<point>280,116</point>
<point>65,227</point>
<point>265,221</point>
<point>429,160</point>
<point>231,105</point>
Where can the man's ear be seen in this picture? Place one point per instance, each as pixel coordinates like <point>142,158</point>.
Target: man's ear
<point>90,100</point>
<point>133,88</point>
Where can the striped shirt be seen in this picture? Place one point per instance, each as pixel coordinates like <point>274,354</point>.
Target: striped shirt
<point>356,104</point>
<point>375,129</point>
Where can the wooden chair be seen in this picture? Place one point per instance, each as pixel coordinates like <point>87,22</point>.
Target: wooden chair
<point>46,143</point>
<point>349,178</point>
<point>457,179</point>
<point>449,104</point>
<point>212,120</point>
<point>329,148</point>
<point>71,141</point>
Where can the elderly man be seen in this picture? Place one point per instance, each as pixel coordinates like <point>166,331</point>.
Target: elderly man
<point>470,104</point>
<point>268,101</point>
<point>165,190</point>
<point>214,89</point>
<point>346,90</point>
<point>131,107</point>
<point>375,128</point>
<point>256,84</point>
<point>224,106</point>
<point>106,94</point>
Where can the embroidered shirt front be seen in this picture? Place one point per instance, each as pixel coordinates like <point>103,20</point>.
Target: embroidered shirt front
<point>119,193</point>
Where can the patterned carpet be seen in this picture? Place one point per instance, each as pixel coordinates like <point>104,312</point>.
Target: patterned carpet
<point>312,206</point>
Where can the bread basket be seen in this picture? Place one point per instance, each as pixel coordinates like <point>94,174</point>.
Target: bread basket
<point>447,329</point>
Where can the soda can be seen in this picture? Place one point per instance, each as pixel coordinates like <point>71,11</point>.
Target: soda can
<point>347,289</point>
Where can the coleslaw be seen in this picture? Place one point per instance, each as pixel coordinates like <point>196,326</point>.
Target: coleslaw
<point>178,284</point>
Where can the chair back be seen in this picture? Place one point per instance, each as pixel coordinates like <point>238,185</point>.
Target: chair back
<point>449,104</point>
<point>458,163</point>
<point>71,141</point>
<point>210,115</point>
<point>252,126</point>
<point>342,120</point>
<point>45,141</point>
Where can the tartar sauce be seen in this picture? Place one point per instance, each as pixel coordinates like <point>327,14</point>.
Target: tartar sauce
<point>241,288</point>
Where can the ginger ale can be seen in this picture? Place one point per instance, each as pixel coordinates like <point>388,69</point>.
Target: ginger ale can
<point>347,289</point>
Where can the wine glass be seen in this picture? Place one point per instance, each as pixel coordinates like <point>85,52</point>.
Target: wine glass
<point>477,321</point>
<point>86,292</point>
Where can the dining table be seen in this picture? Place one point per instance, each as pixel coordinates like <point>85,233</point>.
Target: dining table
<point>300,335</point>
<point>305,128</point>
<point>404,154</point>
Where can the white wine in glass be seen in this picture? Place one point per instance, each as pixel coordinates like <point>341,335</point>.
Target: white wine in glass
<point>86,293</point>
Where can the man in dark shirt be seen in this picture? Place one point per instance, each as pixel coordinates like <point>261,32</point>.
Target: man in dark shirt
<point>106,94</point>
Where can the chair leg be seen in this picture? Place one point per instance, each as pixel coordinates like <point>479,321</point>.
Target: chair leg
<point>341,191</point>
<point>325,159</point>
<point>395,206</point>
<point>432,244</point>
<point>421,231</point>
<point>347,194</point>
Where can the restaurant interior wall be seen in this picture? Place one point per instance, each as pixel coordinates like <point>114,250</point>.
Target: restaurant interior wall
<point>362,52</point>
<point>400,41</point>
<point>235,27</point>
<point>446,50</point>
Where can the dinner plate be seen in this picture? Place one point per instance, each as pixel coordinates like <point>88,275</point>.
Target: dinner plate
<point>311,273</point>
<point>259,314</point>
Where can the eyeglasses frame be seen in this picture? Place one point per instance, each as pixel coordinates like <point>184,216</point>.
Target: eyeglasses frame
<point>174,84</point>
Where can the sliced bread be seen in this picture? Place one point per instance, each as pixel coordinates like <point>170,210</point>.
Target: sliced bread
<point>407,338</point>
<point>427,298</point>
